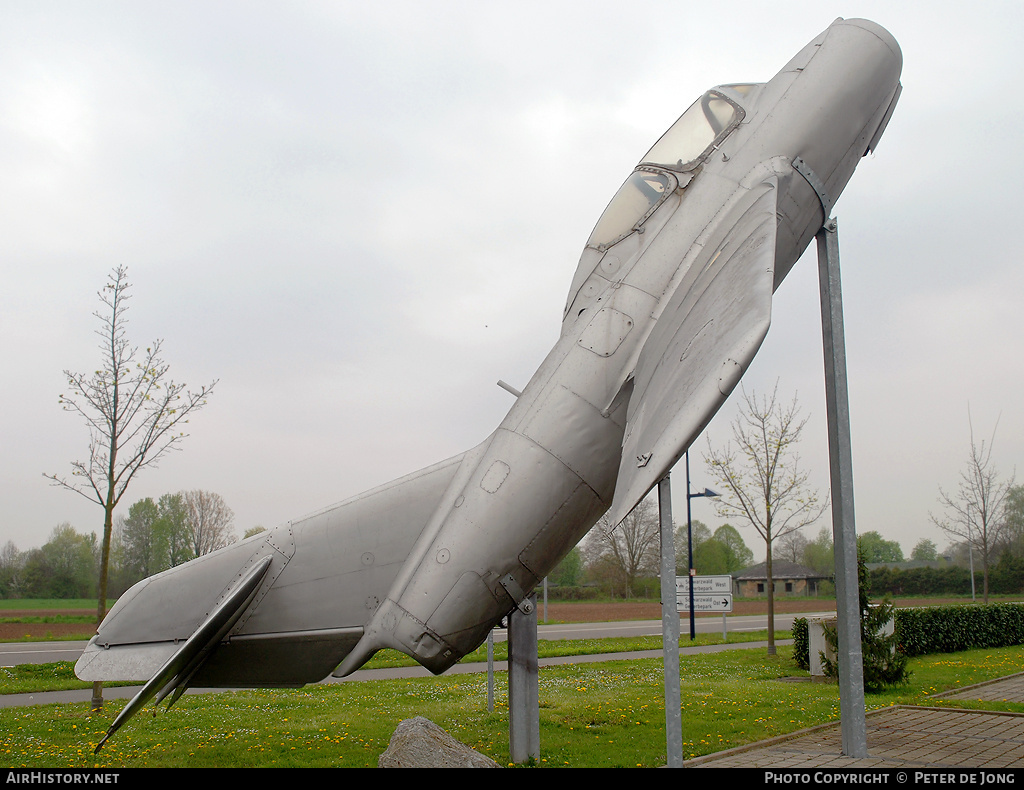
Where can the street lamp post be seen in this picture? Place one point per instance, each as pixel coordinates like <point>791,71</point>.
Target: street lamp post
<point>970,550</point>
<point>689,539</point>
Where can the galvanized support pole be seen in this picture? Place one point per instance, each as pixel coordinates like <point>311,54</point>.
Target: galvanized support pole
<point>853,725</point>
<point>523,685</point>
<point>490,671</point>
<point>670,629</point>
<point>689,549</point>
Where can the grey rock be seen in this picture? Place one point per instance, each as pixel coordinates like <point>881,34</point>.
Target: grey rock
<point>419,743</point>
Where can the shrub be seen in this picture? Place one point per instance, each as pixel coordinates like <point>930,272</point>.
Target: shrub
<point>801,643</point>
<point>884,662</point>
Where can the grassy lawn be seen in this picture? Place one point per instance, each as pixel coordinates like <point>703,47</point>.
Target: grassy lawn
<point>18,604</point>
<point>60,676</point>
<point>592,715</point>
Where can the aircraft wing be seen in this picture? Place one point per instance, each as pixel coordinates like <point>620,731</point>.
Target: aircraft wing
<point>709,331</point>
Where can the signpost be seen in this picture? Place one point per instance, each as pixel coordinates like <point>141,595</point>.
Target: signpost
<point>704,584</point>
<point>719,602</point>
<point>709,594</point>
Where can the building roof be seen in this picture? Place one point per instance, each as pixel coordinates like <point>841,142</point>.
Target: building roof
<point>780,570</point>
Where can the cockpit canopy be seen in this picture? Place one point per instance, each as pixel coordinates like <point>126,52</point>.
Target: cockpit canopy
<point>682,148</point>
<point>688,140</point>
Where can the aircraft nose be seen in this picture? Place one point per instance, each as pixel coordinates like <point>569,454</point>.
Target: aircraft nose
<point>879,32</point>
<point>862,62</point>
<point>849,84</point>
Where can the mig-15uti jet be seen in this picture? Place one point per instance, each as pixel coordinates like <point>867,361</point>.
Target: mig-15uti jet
<point>670,301</point>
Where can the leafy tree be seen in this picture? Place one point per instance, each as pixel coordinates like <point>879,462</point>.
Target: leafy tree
<point>720,552</point>
<point>569,572</point>
<point>73,559</point>
<point>925,551</point>
<point>1008,574</point>
<point>819,554</point>
<point>172,535</point>
<point>134,411</point>
<point>64,567</point>
<point>731,550</point>
<point>874,548</point>
<point>1013,521</point>
<point>38,574</point>
<point>136,535</point>
<point>764,485</point>
<point>710,558</point>
<point>975,513</point>
<point>699,534</point>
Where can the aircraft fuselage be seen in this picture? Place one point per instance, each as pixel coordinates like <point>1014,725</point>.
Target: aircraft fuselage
<point>670,301</point>
<point>551,468</point>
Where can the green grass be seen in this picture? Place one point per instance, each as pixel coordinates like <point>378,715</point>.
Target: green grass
<point>52,618</point>
<point>38,678</point>
<point>592,715</point>
<point>18,604</point>
<point>60,676</point>
<point>82,637</point>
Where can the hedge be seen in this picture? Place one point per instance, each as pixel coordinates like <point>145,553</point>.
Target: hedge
<point>948,629</point>
<point>940,629</point>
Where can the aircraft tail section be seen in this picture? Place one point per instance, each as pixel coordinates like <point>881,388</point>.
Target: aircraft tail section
<point>176,673</point>
<point>281,608</point>
<point>148,623</point>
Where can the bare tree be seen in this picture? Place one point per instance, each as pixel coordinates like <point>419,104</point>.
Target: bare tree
<point>974,513</point>
<point>12,567</point>
<point>630,547</point>
<point>762,477</point>
<point>134,411</point>
<point>210,521</point>
<point>793,546</point>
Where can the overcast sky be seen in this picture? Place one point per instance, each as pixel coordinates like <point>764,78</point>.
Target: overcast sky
<point>357,217</point>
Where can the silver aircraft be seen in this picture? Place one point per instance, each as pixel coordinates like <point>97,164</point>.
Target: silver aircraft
<point>670,301</point>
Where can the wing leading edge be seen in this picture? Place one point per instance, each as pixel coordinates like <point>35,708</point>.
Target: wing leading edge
<point>712,326</point>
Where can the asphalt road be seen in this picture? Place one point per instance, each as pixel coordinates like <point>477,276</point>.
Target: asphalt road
<point>12,653</point>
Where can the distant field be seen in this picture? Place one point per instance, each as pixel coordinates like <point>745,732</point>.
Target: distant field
<point>45,619</point>
<point>61,604</point>
<point>594,611</point>
<point>28,611</point>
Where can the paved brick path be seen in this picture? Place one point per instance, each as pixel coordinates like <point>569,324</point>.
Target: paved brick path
<point>902,737</point>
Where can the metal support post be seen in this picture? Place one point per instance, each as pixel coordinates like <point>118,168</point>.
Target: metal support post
<point>689,547</point>
<point>490,671</point>
<point>670,629</point>
<point>523,686</point>
<point>853,725</point>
